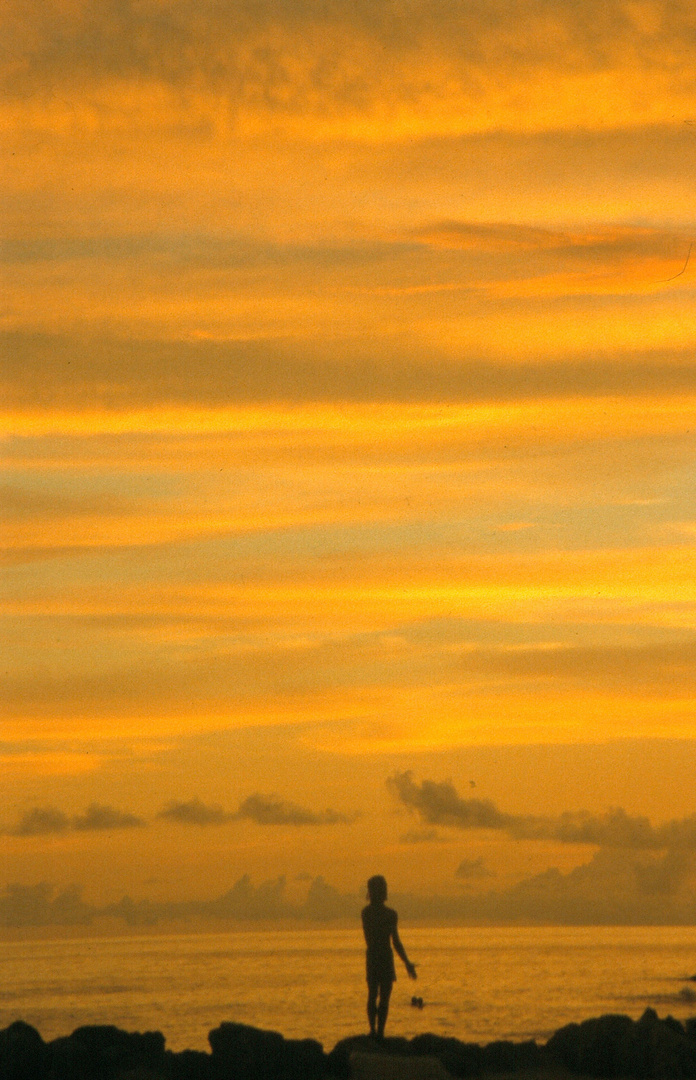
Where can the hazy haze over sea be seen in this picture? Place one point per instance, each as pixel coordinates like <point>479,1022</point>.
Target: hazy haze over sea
<point>479,984</point>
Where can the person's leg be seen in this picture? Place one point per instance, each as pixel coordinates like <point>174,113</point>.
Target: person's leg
<point>372,989</point>
<point>383,1008</point>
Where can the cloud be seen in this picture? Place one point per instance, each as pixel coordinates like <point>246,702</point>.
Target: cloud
<point>438,803</point>
<point>281,668</point>
<point>261,809</point>
<point>247,902</point>
<point>194,812</point>
<point>421,836</point>
<point>473,870</point>
<point>39,905</point>
<point>499,237</point>
<point>667,667</point>
<point>270,811</point>
<point>37,504</point>
<point>67,368</point>
<point>40,821</point>
<point>616,887</point>
<point>105,817</point>
<point>264,810</point>
<point>524,261</point>
<point>414,67</point>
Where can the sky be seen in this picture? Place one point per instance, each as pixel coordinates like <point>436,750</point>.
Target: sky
<point>348,408</point>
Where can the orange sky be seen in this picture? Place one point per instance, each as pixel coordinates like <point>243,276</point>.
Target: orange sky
<point>348,426</point>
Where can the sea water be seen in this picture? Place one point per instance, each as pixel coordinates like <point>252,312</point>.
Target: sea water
<point>478,984</point>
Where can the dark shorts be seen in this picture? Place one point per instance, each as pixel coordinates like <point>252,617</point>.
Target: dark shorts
<point>380,970</point>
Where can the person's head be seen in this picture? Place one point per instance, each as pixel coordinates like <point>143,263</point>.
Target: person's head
<point>377,889</point>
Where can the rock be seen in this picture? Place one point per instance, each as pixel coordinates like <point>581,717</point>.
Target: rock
<point>70,1059</point>
<point>614,1046</point>
<point>304,1059</point>
<point>249,1053</point>
<point>564,1046</point>
<point>188,1065</point>
<point>364,1066</point>
<point>667,1051</point>
<point>459,1058</point>
<point>23,1053</point>
<point>591,1047</point>
<point>102,1051</point>
<point>510,1057</point>
<point>338,1061</point>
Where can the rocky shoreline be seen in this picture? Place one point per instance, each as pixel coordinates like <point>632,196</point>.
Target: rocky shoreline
<point>608,1046</point>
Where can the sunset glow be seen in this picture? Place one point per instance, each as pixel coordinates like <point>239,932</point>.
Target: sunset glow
<point>348,416</point>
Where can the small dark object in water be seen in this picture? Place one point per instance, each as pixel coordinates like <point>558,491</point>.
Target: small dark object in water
<point>417,1002</point>
<point>691,978</point>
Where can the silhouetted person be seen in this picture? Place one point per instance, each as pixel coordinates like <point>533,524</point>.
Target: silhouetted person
<point>379,925</point>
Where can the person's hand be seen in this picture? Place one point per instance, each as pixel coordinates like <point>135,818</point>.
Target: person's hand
<point>411,969</point>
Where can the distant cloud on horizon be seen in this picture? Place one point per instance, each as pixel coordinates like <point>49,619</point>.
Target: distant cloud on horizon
<point>616,887</point>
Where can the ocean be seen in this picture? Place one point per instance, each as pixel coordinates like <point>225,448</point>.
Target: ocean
<point>478,984</point>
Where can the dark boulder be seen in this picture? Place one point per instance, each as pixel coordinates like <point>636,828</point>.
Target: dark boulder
<point>249,1053</point>
<point>666,1051</point>
<point>23,1053</point>
<point>504,1056</point>
<point>459,1058</point>
<point>188,1065</point>
<point>337,1063</point>
<point>616,1046</point>
<point>304,1059</point>
<point>593,1047</point>
<point>499,1056</point>
<point>564,1046</point>
<point>102,1052</point>
<point>70,1059</point>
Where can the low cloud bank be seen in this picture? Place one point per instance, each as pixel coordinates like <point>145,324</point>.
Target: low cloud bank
<point>438,803</point>
<point>42,905</point>
<point>616,887</point>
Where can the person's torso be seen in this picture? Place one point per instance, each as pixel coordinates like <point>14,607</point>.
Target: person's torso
<point>379,923</point>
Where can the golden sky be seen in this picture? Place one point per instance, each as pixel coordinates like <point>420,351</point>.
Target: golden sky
<point>348,409</point>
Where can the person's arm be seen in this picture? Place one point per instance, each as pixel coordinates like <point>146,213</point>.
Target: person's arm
<point>410,968</point>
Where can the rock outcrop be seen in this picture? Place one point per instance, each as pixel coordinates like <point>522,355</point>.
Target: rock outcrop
<point>605,1047</point>
<point>616,1046</point>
